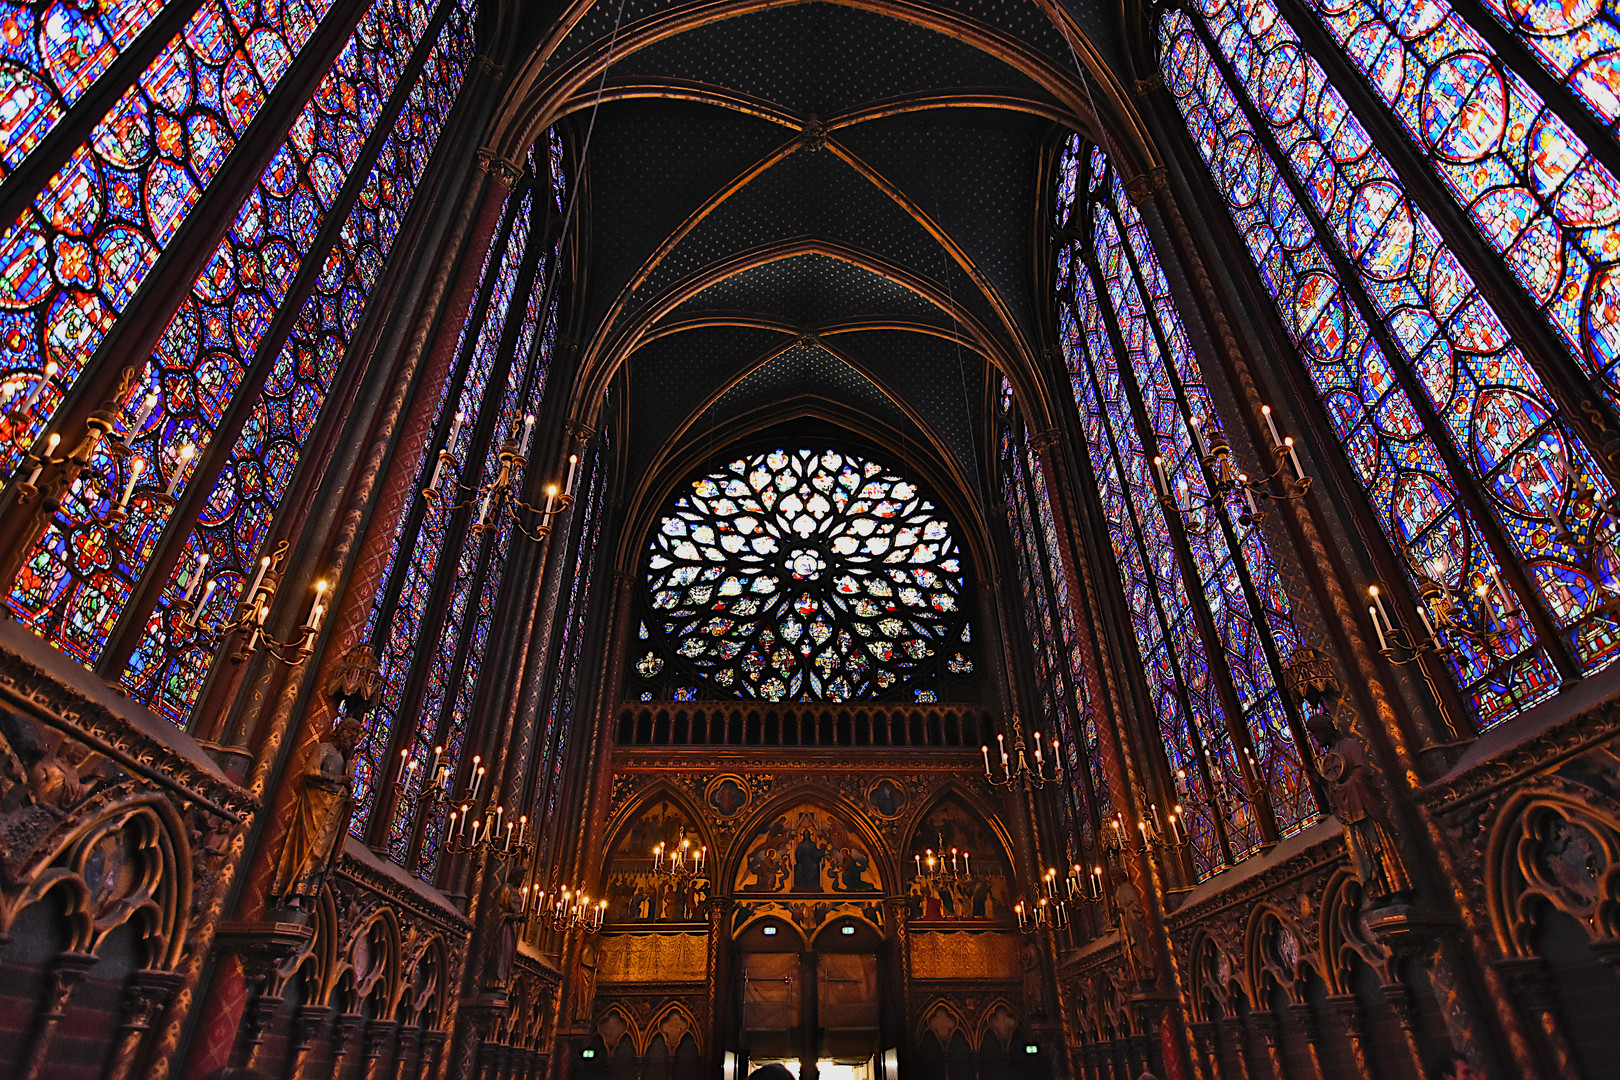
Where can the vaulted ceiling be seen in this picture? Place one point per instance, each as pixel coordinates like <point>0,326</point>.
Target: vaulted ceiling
<point>828,203</point>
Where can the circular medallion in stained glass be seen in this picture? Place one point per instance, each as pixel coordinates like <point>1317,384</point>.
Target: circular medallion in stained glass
<point>807,575</point>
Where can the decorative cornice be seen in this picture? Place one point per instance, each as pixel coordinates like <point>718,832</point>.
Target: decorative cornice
<point>1325,855</point>
<point>25,685</point>
<point>1536,753</point>
<point>375,881</point>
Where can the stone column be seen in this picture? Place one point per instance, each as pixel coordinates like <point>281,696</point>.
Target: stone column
<point>1205,1058</point>
<point>67,971</point>
<point>1532,987</point>
<point>380,1035</point>
<point>1305,1016</point>
<point>1348,1009</point>
<point>307,1023</point>
<point>145,995</point>
<point>1235,1033</point>
<point>1264,1023</point>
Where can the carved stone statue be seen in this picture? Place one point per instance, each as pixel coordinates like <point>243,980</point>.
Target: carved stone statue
<point>1353,790</point>
<point>315,835</point>
<point>503,945</point>
<point>1029,960</point>
<point>1133,928</point>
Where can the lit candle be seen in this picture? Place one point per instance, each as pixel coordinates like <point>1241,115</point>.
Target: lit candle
<point>509,827</point>
<point>523,829</point>
<point>1496,579</point>
<point>1164,480</point>
<point>703,857</point>
<point>196,613</point>
<point>500,811</point>
<point>196,577</point>
<point>1378,599</point>
<point>473,841</point>
<point>1248,493</point>
<point>985,750</point>
<point>1299,471</point>
<point>528,431</point>
<point>50,451</point>
<point>175,477</point>
<point>136,467</point>
<point>143,413</point>
<point>1001,741</point>
<point>455,429</point>
<point>1198,437</point>
<point>551,499</point>
<point>318,609</point>
<point>966,868</point>
<point>1271,425</point>
<point>1039,760</point>
<point>1423,613</point>
<point>450,829</point>
<point>438,755</point>
<point>573,467</point>
<point>918,860</point>
<point>264,566</point>
<point>39,388</point>
<point>1373,612</point>
<point>483,511</point>
<point>477,778</point>
<point>955,866</point>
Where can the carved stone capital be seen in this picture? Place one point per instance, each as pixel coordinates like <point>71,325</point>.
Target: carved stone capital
<point>145,995</point>
<point>501,170</point>
<point>1530,983</point>
<point>1046,440</point>
<point>379,1033</point>
<point>579,431</point>
<point>1143,87</point>
<point>1140,188</point>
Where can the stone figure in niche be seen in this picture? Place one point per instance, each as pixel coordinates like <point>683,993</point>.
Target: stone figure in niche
<point>315,835</point>
<point>1029,963</point>
<point>887,797</point>
<point>1353,791</point>
<point>503,946</point>
<point>1133,928</point>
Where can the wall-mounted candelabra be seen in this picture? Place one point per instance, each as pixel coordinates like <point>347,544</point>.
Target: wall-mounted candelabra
<point>934,868</point>
<point>499,497</point>
<point>1227,483</point>
<point>564,910</point>
<point>680,862</point>
<point>1015,768</point>
<point>1484,615</point>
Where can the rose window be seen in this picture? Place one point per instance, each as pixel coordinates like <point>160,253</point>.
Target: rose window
<point>803,575</point>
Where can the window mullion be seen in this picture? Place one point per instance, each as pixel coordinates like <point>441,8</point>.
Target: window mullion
<point>1349,279</point>
<point>1237,725</point>
<point>1261,612</point>
<point>46,157</point>
<point>1195,737</point>
<point>1599,137</point>
<point>199,487</point>
<point>1090,807</point>
<point>1507,296</point>
<point>490,543</point>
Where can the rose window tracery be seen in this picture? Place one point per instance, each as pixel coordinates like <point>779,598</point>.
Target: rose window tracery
<point>803,575</point>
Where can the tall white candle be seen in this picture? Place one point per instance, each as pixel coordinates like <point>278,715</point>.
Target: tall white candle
<point>1271,425</point>
<point>1373,613</point>
<point>1299,470</point>
<point>136,467</point>
<point>264,567</point>
<point>573,468</point>
<point>318,609</point>
<point>179,472</point>
<point>39,388</point>
<point>1198,437</point>
<point>196,576</point>
<point>528,431</point>
<point>143,414</point>
<point>196,613</point>
<point>455,429</point>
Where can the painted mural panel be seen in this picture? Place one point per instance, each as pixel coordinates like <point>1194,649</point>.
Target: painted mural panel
<point>806,851</point>
<point>635,893</point>
<point>981,889</point>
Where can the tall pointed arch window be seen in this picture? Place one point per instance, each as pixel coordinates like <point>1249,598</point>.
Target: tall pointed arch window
<point>1479,479</point>
<point>1063,660</point>
<point>432,617</point>
<point>1211,619</point>
<point>250,351</point>
<point>806,574</point>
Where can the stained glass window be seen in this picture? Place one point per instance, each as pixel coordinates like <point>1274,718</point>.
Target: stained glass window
<point>432,620</point>
<point>1062,656</point>
<point>1212,621</point>
<point>563,709</point>
<point>805,575</point>
<point>82,573</point>
<point>70,264</point>
<point>1414,368</point>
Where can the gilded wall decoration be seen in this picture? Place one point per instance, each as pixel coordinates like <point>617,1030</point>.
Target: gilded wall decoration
<point>808,915</point>
<point>635,893</point>
<point>983,894</point>
<point>940,955</point>
<point>886,798</point>
<point>727,795</point>
<point>656,958</point>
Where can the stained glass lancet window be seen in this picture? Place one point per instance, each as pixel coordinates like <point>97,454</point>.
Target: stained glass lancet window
<point>1210,616</point>
<point>1470,467</point>
<point>433,617</point>
<point>1061,653</point>
<point>218,372</point>
<point>805,575</point>
<point>73,260</point>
